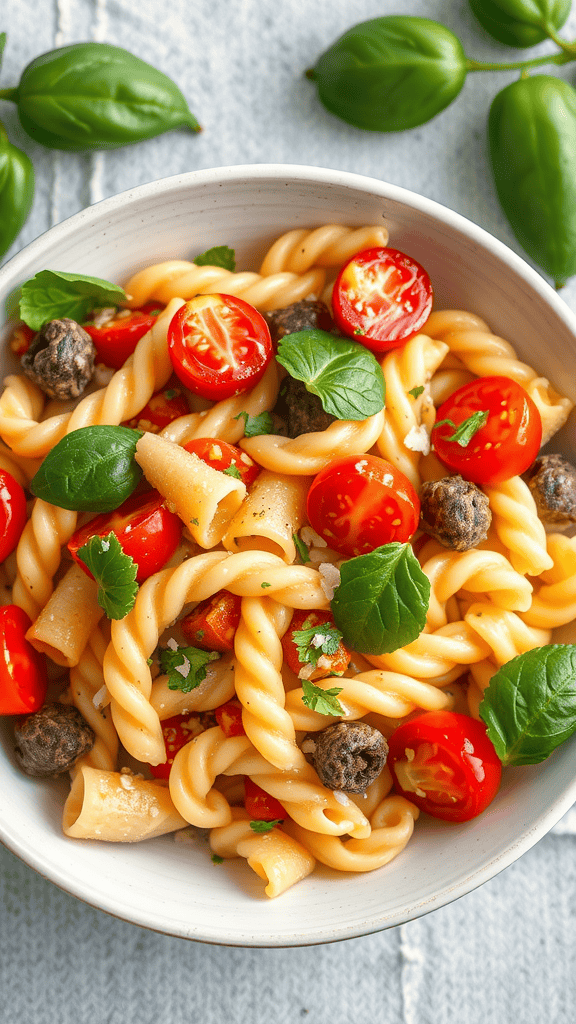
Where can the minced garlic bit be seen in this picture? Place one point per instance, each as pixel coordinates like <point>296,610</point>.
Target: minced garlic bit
<point>308,746</point>
<point>341,797</point>
<point>329,578</point>
<point>101,697</point>
<point>311,538</point>
<point>417,440</point>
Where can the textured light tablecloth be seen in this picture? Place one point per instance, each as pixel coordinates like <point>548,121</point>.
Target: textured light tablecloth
<point>504,953</point>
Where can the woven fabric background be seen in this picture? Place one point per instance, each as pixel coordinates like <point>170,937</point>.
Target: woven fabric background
<point>504,953</point>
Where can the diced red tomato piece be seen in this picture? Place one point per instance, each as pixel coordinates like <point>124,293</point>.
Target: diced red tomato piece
<point>213,623</point>
<point>332,663</point>
<point>260,805</point>
<point>227,458</point>
<point>164,407</point>
<point>12,513</point>
<point>229,718</point>
<point>177,732</point>
<point>115,339</point>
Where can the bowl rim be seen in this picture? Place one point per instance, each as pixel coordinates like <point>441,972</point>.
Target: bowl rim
<point>297,174</point>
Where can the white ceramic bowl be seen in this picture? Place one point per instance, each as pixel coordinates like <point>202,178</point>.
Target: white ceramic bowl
<point>174,888</point>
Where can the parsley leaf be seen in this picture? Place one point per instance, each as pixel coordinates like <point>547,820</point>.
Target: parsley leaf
<point>301,548</point>
<point>464,432</point>
<point>529,706</point>
<point>232,471</point>
<point>315,641</point>
<point>220,256</point>
<point>346,377</point>
<point>217,859</point>
<point>265,826</point>
<point>322,701</point>
<point>114,572</point>
<point>185,666</point>
<point>53,294</point>
<point>256,425</point>
<point>416,392</point>
<point>382,600</point>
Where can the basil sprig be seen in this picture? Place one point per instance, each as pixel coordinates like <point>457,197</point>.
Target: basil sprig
<point>382,600</point>
<point>529,706</point>
<point>96,96</point>
<point>92,469</point>
<point>219,256</point>
<point>53,294</point>
<point>345,375</point>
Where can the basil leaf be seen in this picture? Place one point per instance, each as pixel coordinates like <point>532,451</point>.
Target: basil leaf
<point>301,548</point>
<point>265,826</point>
<point>416,392</point>
<point>322,701</point>
<point>465,431</point>
<point>92,469</point>
<point>382,600</point>
<point>115,573</point>
<point>220,256</point>
<point>529,706</point>
<point>91,96</point>
<point>53,294</point>
<point>16,189</point>
<point>345,375</point>
<point>256,425</point>
<point>185,666</point>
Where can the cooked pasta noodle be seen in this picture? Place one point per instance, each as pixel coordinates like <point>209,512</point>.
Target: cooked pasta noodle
<point>515,520</point>
<point>66,622</point>
<point>309,453</point>
<point>478,572</point>
<point>328,246</point>
<point>505,632</point>
<point>270,516</point>
<point>38,554</point>
<point>217,688</point>
<point>118,807</point>
<point>86,681</point>
<point>554,602</point>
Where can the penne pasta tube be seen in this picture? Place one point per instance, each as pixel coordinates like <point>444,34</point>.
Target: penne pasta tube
<point>66,622</point>
<point>272,513</point>
<point>118,807</point>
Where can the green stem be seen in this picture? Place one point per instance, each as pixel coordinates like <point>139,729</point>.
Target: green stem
<point>521,65</point>
<point>562,43</point>
<point>9,94</point>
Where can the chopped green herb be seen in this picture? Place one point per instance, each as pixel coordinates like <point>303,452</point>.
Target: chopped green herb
<point>301,548</point>
<point>185,666</point>
<point>170,394</point>
<point>194,522</point>
<point>416,392</point>
<point>217,859</point>
<point>114,572</point>
<point>264,585</point>
<point>256,425</point>
<point>149,661</point>
<point>200,634</point>
<point>322,701</point>
<point>315,641</point>
<point>464,432</point>
<point>219,256</point>
<point>265,826</point>
<point>232,471</point>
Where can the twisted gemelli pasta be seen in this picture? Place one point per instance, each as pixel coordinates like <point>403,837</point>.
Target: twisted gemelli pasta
<point>308,454</point>
<point>554,602</point>
<point>20,468</point>
<point>38,555</point>
<point>86,680</point>
<point>217,688</point>
<point>275,857</point>
<point>433,655</point>
<point>506,633</point>
<point>515,520</point>
<point>329,246</point>
<point>478,572</point>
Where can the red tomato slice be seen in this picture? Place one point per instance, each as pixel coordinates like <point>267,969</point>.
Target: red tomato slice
<point>23,678</point>
<point>146,529</point>
<point>177,732</point>
<point>382,298</point>
<point>508,442</point>
<point>221,455</point>
<point>213,623</point>
<point>164,407</point>
<point>445,764</point>
<point>12,513</point>
<point>116,338</point>
<point>219,345</point>
<point>337,662</point>
<point>360,502</point>
<point>229,718</point>
<point>260,805</point>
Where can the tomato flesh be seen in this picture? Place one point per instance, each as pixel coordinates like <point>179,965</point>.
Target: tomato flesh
<point>213,623</point>
<point>23,677</point>
<point>260,805</point>
<point>12,513</point>
<point>360,502</point>
<point>229,718</point>
<point>177,732</point>
<point>219,345</point>
<point>116,338</point>
<point>508,442</point>
<point>445,764</point>
<point>146,529</point>
<point>223,457</point>
<point>336,663</point>
<point>164,407</point>
<point>382,298</point>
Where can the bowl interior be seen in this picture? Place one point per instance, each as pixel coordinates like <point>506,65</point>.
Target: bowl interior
<point>176,888</point>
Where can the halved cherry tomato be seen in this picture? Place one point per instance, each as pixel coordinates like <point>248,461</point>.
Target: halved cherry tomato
<point>445,764</point>
<point>116,338</point>
<point>146,529</point>
<point>333,663</point>
<point>22,338</point>
<point>23,678</point>
<point>177,732</point>
<point>213,623</point>
<point>508,442</point>
<point>12,513</point>
<point>260,805</point>
<point>221,455</point>
<point>219,345</point>
<point>164,407</point>
<point>360,502</point>
<point>229,718</point>
<point>382,298</point>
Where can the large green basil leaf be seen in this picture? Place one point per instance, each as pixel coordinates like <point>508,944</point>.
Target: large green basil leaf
<point>92,469</point>
<point>53,294</point>
<point>345,375</point>
<point>391,73</point>
<point>382,600</point>
<point>521,23</point>
<point>532,131</point>
<point>97,96</point>
<point>529,706</point>
<point>16,189</point>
